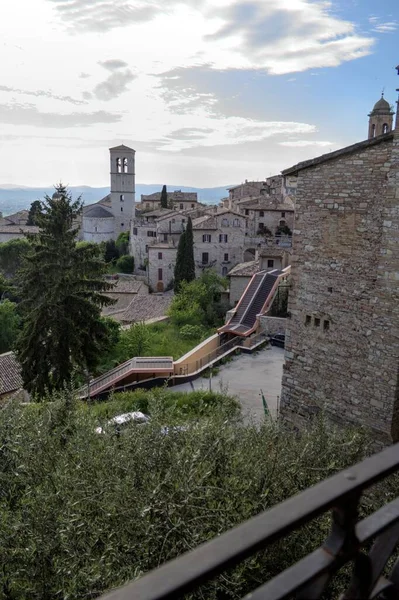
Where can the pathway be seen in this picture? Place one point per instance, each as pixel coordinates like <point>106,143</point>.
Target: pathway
<point>244,377</point>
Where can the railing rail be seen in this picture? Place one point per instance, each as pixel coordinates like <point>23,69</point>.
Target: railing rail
<point>309,577</point>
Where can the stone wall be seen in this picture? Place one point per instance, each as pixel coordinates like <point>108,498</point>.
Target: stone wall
<point>342,344</point>
<point>164,258</point>
<point>98,229</point>
<point>237,287</point>
<point>270,219</point>
<point>272,325</point>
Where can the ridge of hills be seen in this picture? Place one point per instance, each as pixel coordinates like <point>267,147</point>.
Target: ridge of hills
<point>14,198</point>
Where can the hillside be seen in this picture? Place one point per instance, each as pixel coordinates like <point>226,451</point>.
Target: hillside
<point>14,198</point>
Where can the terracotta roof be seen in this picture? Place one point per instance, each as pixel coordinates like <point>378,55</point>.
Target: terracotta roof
<point>10,373</point>
<point>145,308</point>
<point>246,269</point>
<point>306,164</point>
<point>19,229</point>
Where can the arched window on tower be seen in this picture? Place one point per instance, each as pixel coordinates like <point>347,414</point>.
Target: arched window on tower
<point>373,130</point>
<point>122,197</point>
<point>125,165</point>
<point>385,128</point>
<point>118,165</point>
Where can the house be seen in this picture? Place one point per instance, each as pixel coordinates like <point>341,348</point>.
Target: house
<point>177,200</point>
<point>10,378</point>
<point>161,265</point>
<point>342,345</point>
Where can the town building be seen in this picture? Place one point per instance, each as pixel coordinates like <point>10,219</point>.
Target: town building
<point>342,344</point>
<point>177,200</point>
<point>11,379</point>
<point>113,214</point>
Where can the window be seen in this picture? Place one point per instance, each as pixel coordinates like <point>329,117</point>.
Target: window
<point>122,197</point>
<point>173,220</point>
<point>270,263</point>
<point>236,223</point>
<point>160,274</point>
<point>207,237</point>
<point>151,234</point>
<point>224,271</point>
<point>261,226</point>
<point>326,325</point>
<point>192,206</point>
<point>282,222</point>
<point>148,205</point>
<point>385,128</point>
<point>122,224</point>
<point>95,229</point>
<point>165,237</point>
<point>159,255</point>
<point>330,290</point>
<point>121,208</point>
<point>283,214</point>
<point>146,248</point>
<point>205,258</point>
<point>317,322</point>
<point>118,165</point>
<point>134,230</point>
<point>223,238</point>
<point>225,222</point>
<point>125,165</point>
<point>373,130</point>
<point>246,212</point>
<point>226,257</point>
<point>308,320</point>
<point>183,220</point>
<point>181,206</point>
<point>261,213</point>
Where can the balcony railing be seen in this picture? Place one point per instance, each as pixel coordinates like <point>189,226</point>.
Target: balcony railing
<point>284,241</point>
<point>347,542</point>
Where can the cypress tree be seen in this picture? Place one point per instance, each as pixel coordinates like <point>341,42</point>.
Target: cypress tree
<point>180,259</point>
<point>164,197</point>
<point>35,209</point>
<point>60,286</point>
<point>189,271</point>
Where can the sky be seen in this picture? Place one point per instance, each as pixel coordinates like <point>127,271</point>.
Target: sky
<point>208,92</point>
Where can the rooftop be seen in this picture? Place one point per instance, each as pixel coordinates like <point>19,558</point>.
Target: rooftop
<point>19,229</point>
<point>10,373</point>
<point>246,269</point>
<point>144,308</point>
<point>306,164</point>
<point>122,147</point>
<point>98,212</point>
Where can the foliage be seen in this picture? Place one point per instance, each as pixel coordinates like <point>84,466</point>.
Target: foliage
<point>207,309</point>
<point>82,512</point>
<point>189,263</point>
<point>125,264</point>
<point>283,230</point>
<point>12,254</point>
<point>279,306</point>
<point>135,341</point>
<point>61,288</point>
<point>164,197</point>
<point>122,243</point>
<point>35,209</point>
<point>111,253</point>
<point>265,231</point>
<point>9,325</point>
<point>192,331</point>
<point>106,360</point>
<point>179,272</point>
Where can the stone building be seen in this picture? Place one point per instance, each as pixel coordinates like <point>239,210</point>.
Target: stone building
<point>218,241</point>
<point>161,265</point>
<point>265,215</point>
<point>15,232</point>
<point>113,214</point>
<point>177,200</point>
<point>381,118</point>
<point>342,345</point>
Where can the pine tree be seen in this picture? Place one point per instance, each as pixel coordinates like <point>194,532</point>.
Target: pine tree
<point>35,209</point>
<point>180,259</point>
<point>189,263</point>
<point>164,197</point>
<point>60,286</point>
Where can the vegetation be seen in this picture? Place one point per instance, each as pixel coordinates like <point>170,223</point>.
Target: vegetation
<point>185,267</point>
<point>122,243</point>
<point>9,325</point>
<point>61,289</point>
<point>83,512</point>
<point>164,197</point>
<point>125,264</point>
<point>12,254</point>
<point>200,301</point>
<point>35,209</point>
<point>111,253</point>
<point>283,230</point>
<point>279,307</point>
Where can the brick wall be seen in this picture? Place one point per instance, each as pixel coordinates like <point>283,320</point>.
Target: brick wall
<point>342,346</point>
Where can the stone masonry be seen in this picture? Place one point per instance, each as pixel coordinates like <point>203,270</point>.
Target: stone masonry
<point>342,346</point>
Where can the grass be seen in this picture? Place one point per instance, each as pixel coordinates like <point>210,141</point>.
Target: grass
<point>166,340</point>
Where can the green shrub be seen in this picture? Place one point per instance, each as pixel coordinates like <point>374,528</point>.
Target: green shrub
<point>125,264</point>
<point>192,331</point>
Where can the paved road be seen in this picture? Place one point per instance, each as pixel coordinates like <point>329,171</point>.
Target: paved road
<point>244,377</point>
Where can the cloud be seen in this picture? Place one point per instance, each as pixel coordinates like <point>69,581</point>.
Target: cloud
<point>116,83</point>
<point>113,63</point>
<point>305,143</point>
<point>42,93</point>
<point>389,27</point>
<point>103,15</point>
<point>84,75</point>
<point>27,114</point>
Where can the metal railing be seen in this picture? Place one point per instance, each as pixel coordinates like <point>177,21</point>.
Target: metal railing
<point>308,578</point>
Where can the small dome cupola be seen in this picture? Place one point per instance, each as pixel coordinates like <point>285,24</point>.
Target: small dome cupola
<point>380,118</point>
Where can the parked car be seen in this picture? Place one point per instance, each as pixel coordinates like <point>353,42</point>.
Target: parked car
<point>120,420</point>
<point>278,340</point>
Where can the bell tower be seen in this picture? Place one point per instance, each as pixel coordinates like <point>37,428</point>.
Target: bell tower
<point>123,186</point>
<point>380,118</point>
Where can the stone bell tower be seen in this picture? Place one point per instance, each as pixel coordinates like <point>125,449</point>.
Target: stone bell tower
<point>123,186</point>
<point>381,118</point>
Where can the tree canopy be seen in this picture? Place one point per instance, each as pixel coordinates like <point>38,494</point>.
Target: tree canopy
<point>35,209</point>
<point>185,267</point>
<point>9,323</point>
<point>61,288</point>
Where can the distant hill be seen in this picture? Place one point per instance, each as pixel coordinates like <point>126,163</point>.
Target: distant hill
<point>14,198</point>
